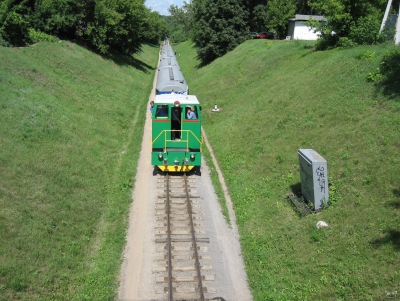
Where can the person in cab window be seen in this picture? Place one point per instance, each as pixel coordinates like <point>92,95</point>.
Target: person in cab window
<point>191,114</point>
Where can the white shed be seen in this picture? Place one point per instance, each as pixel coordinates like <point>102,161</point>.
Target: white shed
<point>297,30</point>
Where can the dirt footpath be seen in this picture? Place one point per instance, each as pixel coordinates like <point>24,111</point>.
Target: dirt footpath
<point>137,281</point>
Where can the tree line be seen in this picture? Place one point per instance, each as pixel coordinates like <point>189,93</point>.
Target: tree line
<point>104,25</point>
<point>218,26</point>
<point>215,26</point>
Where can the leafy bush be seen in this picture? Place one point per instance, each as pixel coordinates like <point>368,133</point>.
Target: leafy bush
<point>364,31</point>
<point>326,40</point>
<point>357,20</point>
<point>386,35</point>
<point>15,29</point>
<point>365,56</point>
<point>390,69</point>
<point>374,76</point>
<point>391,61</point>
<point>178,36</point>
<point>333,194</point>
<point>346,43</point>
<point>3,42</point>
<point>38,36</point>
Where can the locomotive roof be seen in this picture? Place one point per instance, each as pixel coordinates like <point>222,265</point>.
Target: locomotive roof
<point>171,98</point>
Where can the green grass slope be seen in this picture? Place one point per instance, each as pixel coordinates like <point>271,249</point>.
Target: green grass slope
<point>70,135</point>
<point>275,98</point>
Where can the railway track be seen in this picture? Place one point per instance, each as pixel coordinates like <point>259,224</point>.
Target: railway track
<point>183,268</point>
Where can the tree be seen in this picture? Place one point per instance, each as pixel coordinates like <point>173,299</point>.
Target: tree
<point>264,15</point>
<point>257,10</point>
<point>344,16</point>
<point>106,25</point>
<point>117,24</point>
<point>365,31</point>
<point>220,25</point>
<point>180,21</point>
<point>303,8</point>
<point>259,20</point>
<point>156,27</point>
<point>278,13</point>
<point>14,23</point>
<point>62,18</point>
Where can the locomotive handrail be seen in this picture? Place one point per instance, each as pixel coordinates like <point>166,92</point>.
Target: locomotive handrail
<point>188,132</point>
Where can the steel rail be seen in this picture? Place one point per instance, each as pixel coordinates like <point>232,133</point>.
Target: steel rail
<point>196,255</point>
<point>170,288</point>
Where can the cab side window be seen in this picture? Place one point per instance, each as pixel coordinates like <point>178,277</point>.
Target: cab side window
<point>191,112</point>
<point>162,111</point>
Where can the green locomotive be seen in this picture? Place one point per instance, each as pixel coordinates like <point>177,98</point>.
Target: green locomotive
<point>176,133</point>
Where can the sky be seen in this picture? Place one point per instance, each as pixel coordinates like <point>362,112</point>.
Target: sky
<point>161,6</point>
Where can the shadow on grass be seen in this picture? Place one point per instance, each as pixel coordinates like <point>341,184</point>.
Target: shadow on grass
<point>390,70</point>
<point>296,188</point>
<point>391,237</point>
<point>124,60</point>
<point>201,64</point>
<point>299,204</point>
<point>119,58</point>
<point>395,204</point>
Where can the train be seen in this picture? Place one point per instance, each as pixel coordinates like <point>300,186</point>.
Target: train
<point>170,78</point>
<point>176,119</point>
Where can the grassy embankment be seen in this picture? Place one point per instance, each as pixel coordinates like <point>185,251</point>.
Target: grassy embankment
<point>70,135</point>
<point>275,98</point>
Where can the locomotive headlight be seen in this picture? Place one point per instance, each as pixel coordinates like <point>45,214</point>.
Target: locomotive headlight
<point>176,163</point>
<point>186,161</point>
<point>160,156</point>
<point>192,156</point>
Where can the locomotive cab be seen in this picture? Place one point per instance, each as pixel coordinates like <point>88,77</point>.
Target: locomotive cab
<point>176,133</point>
